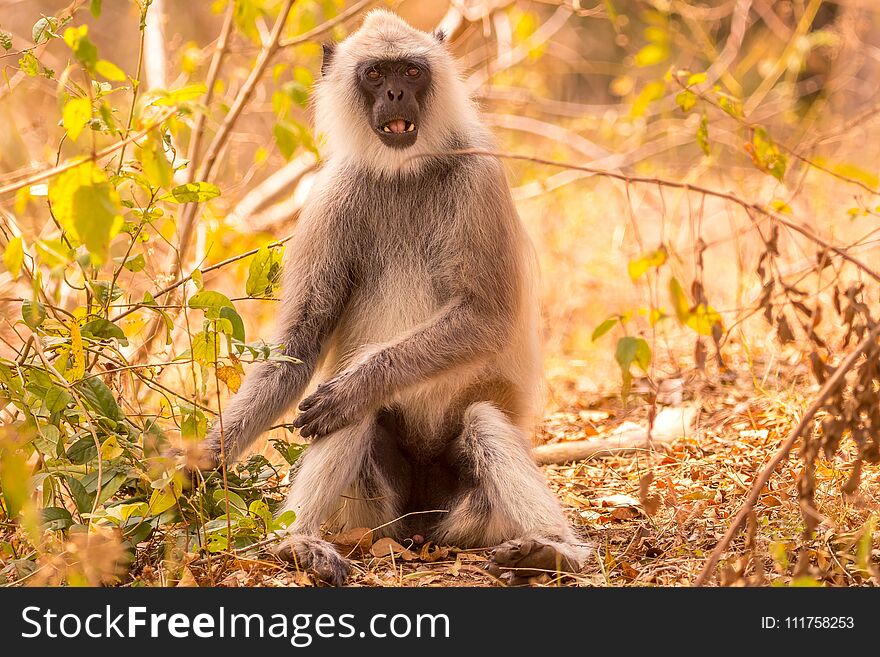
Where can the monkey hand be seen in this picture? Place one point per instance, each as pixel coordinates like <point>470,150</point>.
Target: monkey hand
<point>335,404</point>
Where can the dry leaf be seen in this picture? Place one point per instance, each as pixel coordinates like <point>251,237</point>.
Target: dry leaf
<point>359,539</point>
<point>650,501</point>
<point>187,579</point>
<point>384,547</point>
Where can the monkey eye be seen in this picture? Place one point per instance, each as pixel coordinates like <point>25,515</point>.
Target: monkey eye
<point>413,71</point>
<point>373,74</point>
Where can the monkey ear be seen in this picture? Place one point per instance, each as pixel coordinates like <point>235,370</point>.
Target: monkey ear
<point>329,50</point>
<point>440,35</point>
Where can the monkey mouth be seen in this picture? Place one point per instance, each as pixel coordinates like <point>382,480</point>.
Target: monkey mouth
<point>397,127</point>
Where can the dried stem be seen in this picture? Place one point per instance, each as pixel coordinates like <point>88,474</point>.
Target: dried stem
<point>830,386</point>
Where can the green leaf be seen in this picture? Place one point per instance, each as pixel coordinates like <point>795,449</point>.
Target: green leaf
<point>264,272</point>
<point>80,495</point>
<point>87,206</point>
<point>44,29</point>
<point>13,256</point>
<point>286,137</point>
<point>193,423</point>
<point>284,520</point>
<point>639,266</point>
<point>135,263</point>
<point>205,347</point>
<point>56,399</point>
<point>56,518</point>
<point>194,192</point>
<point>29,64</point>
<point>76,115</point>
<point>236,504</point>
<point>211,302</point>
<point>95,8</point>
<point>765,155</point>
<point>82,451</point>
<point>99,398</point>
<point>109,70</point>
<point>603,328</point>
<point>5,40</point>
<point>631,351</point>
<point>33,313</point>
<point>290,135</point>
<point>228,313</point>
<point>297,92</point>
<point>154,162</point>
<point>102,329</point>
<point>259,509</point>
<point>83,49</point>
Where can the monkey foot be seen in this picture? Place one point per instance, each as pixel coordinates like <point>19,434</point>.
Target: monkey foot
<point>528,557</point>
<point>315,555</point>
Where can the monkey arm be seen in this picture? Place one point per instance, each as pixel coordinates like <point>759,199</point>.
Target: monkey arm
<point>459,335</point>
<point>316,288</point>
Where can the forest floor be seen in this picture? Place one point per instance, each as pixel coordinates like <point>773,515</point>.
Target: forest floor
<point>653,515</point>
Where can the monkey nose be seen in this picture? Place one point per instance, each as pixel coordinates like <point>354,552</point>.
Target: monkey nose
<point>394,96</point>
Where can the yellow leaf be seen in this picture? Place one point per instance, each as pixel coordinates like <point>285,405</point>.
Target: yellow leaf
<point>13,256</point>
<point>76,114</point>
<point>163,499</point>
<point>230,376</point>
<point>109,70</point>
<point>87,206</point>
<point>639,266</point>
<point>22,196</point>
<point>111,449</point>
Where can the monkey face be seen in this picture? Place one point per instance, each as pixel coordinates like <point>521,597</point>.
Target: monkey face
<point>393,94</point>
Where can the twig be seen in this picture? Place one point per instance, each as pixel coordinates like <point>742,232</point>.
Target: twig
<point>75,162</point>
<point>195,144</point>
<point>208,168</point>
<point>181,281</point>
<point>727,196</point>
<point>825,392</point>
<point>323,28</point>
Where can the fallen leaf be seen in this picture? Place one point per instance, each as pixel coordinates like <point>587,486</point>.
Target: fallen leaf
<point>385,547</point>
<point>359,539</point>
<point>186,579</point>
<point>650,501</point>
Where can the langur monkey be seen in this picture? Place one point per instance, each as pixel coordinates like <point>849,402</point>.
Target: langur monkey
<point>408,294</point>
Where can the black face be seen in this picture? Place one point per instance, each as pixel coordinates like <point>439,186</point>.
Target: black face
<point>394,92</point>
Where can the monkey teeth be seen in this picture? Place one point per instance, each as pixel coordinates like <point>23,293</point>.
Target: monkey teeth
<point>398,126</point>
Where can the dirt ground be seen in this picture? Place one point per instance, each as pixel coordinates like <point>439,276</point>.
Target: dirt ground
<point>652,515</point>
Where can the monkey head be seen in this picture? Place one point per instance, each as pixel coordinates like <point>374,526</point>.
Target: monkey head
<point>389,95</point>
<point>393,90</point>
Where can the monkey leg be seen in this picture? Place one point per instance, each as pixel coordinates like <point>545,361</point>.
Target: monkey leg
<point>337,478</point>
<point>506,501</point>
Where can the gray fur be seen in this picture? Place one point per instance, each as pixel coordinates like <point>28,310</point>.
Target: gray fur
<point>409,295</point>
